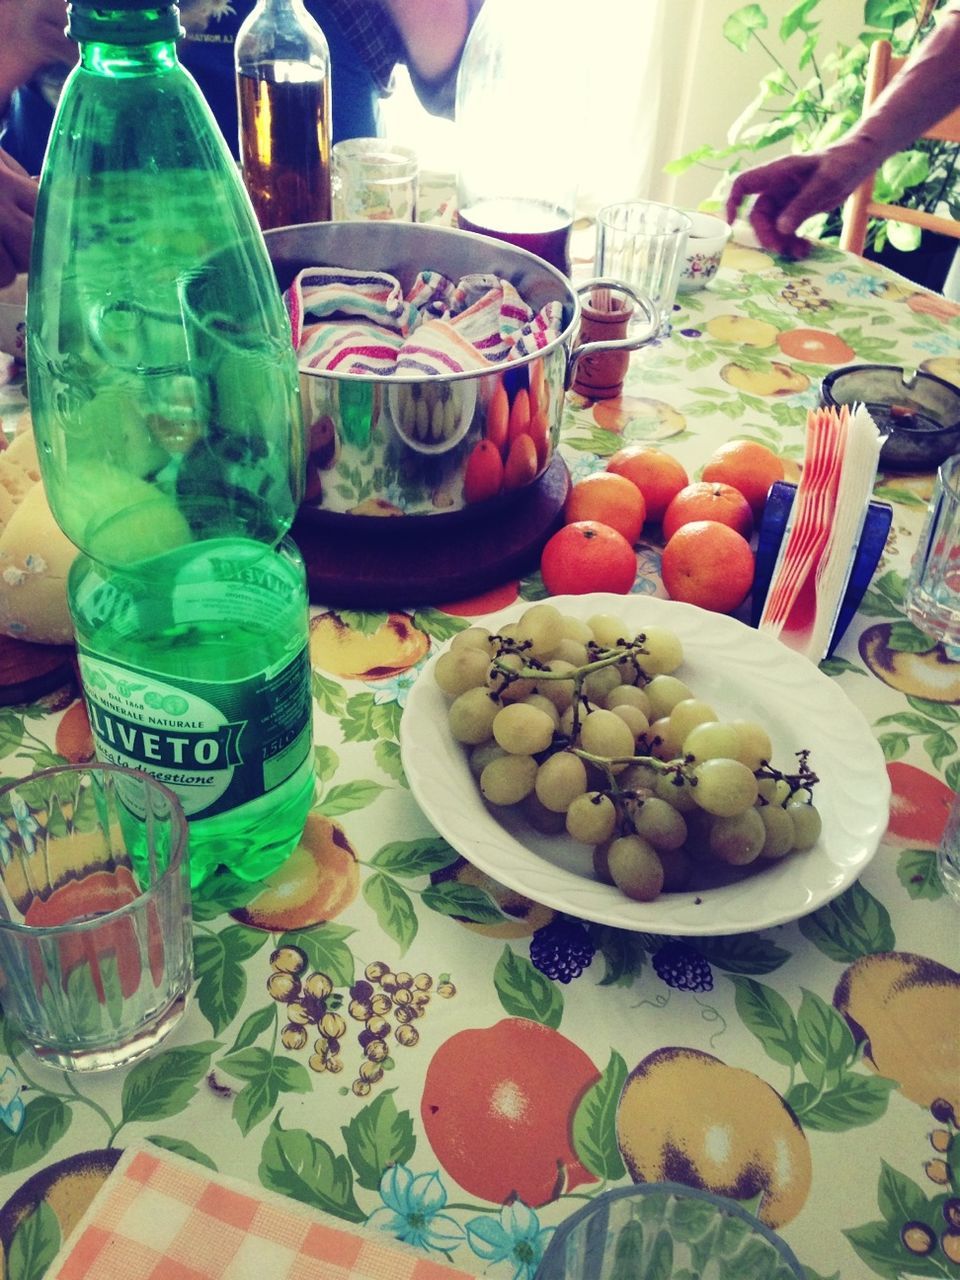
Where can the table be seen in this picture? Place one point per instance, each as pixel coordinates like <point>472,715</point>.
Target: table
<point>383,907</point>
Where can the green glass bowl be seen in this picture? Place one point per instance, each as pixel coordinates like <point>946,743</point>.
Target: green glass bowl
<point>668,1231</point>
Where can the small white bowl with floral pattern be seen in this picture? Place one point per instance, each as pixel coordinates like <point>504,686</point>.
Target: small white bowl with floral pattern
<point>706,241</point>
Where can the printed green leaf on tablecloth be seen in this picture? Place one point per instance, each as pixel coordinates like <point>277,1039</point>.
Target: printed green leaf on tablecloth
<point>222,980</point>
<point>180,1147</point>
<point>325,947</point>
<point>46,1119</point>
<point>409,858</point>
<point>524,992</point>
<point>394,909</point>
<point>34,1245</point>
<point>853,925</point>
<point>595,1123</point>
<point>463,901</point>
<point>295,1163</point>
<point>266,1076</point>
<point>159,1087</point>
<point>378,1136</point>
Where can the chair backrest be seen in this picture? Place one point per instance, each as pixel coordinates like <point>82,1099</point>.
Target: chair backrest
<point>860,206</point>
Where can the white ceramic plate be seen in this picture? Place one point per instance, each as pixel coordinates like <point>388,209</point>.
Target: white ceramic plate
<point>744,674</point>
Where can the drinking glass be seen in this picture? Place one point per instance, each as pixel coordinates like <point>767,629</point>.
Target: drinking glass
<point>933,591</point>
<point>643,244</point>
<point>667,1230</point>
<point>372,179</point>
<point>95,922</point>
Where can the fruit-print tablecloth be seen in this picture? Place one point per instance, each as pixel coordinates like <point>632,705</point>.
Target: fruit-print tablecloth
<point>811,1071</point>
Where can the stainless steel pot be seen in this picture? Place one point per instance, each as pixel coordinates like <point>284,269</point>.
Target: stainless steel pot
<point>436,445</point>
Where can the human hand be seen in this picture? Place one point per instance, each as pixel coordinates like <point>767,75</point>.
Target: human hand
<point>32,36</point>
<point>18,200</point>
<point>794,188</point>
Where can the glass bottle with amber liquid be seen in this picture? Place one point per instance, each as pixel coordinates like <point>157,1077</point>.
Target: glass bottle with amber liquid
<point>283,91</point>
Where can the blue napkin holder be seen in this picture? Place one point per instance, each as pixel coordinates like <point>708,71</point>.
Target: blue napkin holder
<point>866,554</point>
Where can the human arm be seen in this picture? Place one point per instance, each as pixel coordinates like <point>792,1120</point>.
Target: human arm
<point>18,199</point>
<point>31,37</point>
<point>794,188</point>
<point>433,33</point>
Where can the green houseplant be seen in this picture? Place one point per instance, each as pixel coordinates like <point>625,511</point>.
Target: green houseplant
<point>816,104</point>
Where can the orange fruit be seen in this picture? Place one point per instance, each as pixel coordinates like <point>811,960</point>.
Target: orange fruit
<point>708,501</point>
<point>612,500</point>
<point>748,466</point>
<point>657,475</point>
<point>588,556</point>
<point>708,564</point>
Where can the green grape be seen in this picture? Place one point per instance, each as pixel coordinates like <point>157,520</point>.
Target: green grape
<point>474,638</point>
<point>560,692</point>
<point>629,695</point>
<point>664,652</point>
<point>598,685</point>
<point>601,864</point>
<point>725,788</point>
<point>591,818</point>
<point>738,840</point>
<point>508,779</point>
<point>664,744</point>
<point>461,669</point>
<point>471,716</point>
<point>686,715</point>
<point>676,869</point>
<point>773,790</point>
<point>755,747</point>
<point>806,823</point>
<point>560,779</point>
<point>545,705</point>
<point>522,730</point>
<point>607,630</point>
<point>516,690</point>
<point>781,834</point>
<point>658,822</point>
<point>664,692</point>
<point>635,867</point>
<point>541,818</point>
<point>576,629</point>
<point>677,791</point>
<point>639,777</point>
<point>541,626</point>
<point>572,651</point>
<point>634,719</point>
<point>481,756</point>
<point>603,733</point>
<point>711,741</point>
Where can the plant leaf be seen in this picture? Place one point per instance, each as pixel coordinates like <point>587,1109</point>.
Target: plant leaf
<point>742,23</point>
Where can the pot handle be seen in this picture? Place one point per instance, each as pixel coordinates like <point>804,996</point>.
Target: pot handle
<point>644,303</point>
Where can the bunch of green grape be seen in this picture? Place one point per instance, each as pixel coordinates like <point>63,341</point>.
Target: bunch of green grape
<point>590,730</point>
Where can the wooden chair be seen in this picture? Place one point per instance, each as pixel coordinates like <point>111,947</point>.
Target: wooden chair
<point>860,206</point>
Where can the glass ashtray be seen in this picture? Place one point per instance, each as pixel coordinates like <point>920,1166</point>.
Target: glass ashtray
<point>667,1230</point>
<point>918,412</point>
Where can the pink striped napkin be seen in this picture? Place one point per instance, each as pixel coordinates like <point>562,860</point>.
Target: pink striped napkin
<point>160,1217</point>
<point>361,322</point>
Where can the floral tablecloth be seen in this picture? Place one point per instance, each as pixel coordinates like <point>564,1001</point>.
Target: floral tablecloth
<point>810,1071</point>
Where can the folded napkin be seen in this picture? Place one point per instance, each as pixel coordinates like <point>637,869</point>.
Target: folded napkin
<point>161,1217</point>
<point>362,323</point>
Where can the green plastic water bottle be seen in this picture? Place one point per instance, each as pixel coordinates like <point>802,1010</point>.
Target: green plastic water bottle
<point>164,393</point>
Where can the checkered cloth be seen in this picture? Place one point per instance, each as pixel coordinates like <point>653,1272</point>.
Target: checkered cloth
<point>160,1217</point>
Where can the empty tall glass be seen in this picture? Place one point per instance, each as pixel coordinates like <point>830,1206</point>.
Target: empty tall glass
<point>933,592</point>
<point>643,244</point>
<point>96,957</point>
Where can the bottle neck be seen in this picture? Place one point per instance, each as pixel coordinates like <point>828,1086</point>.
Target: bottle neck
<point>120,61</point>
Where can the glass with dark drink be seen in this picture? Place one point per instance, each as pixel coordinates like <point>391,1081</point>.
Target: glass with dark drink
<point>534,225</point>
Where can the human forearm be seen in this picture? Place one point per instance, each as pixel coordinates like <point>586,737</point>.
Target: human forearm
<point>926,89</point>
<point>433,33</point>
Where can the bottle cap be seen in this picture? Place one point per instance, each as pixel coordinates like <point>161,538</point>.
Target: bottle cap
<point>123,22</point>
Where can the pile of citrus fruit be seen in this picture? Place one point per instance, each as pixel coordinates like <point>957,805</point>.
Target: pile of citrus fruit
<point>706,526</point>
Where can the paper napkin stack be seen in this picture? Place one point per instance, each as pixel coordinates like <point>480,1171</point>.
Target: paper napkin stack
<point>824,528</point>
